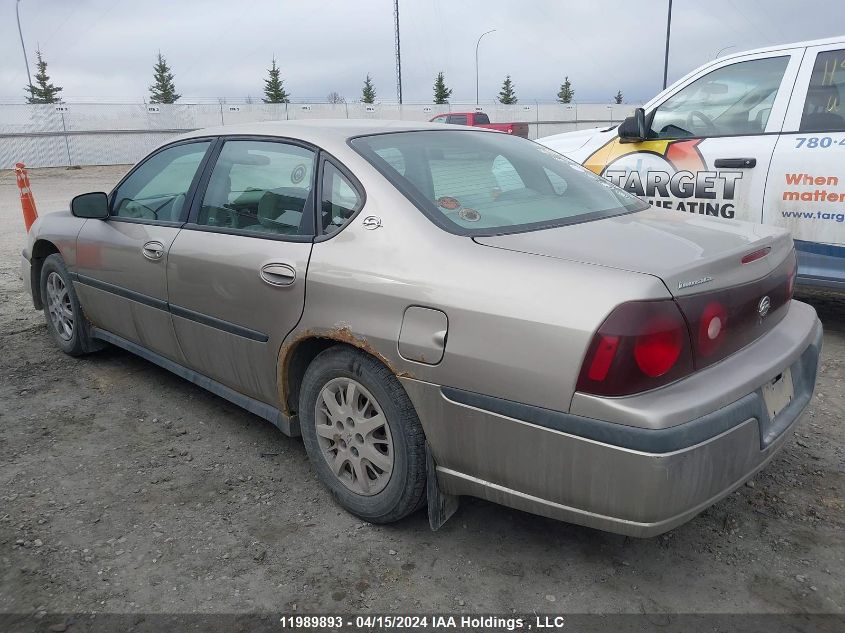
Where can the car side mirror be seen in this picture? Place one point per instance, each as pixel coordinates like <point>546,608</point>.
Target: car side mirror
<point>633,129</point>
<point>93,206</point>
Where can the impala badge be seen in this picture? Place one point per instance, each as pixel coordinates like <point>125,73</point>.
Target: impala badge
<point>371,222</point>
<point>695,282</point>
<point>764,306</point>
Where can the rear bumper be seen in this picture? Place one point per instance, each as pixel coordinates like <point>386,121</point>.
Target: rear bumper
<point>625,479</point>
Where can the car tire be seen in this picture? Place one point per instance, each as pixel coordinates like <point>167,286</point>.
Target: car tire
<point>66,321</point>
<point>394,449</point>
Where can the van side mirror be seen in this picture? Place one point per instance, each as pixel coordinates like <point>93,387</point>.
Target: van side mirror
<point>633,129</point>
<point>93,206</point>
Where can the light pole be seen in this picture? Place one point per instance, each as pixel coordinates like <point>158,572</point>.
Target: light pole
<point>20,32</point>
<point>666,58</point>
<point>476,61</point>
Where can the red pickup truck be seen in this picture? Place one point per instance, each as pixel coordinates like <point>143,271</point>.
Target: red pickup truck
<point>479,119</point>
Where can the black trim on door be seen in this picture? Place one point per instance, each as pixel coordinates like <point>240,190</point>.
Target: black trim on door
<point>120,291</point>
<point>185,313</point>
<point>219,324</point>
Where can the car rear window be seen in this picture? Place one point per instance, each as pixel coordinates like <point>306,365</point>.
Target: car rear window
<point>485,183</point>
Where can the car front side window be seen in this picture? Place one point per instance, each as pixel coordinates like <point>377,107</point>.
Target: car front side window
<point>157,188</point>
<point>732,100</point>
<point>260,187</point>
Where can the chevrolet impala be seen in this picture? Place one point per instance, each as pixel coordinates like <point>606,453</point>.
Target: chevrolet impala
<point>442,312</point>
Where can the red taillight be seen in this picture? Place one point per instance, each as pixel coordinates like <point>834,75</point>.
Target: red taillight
<point>605,351</point>
<point>724,321</point>
<point>647,344</point>
<point>640,346</point>
<point>658,351</point>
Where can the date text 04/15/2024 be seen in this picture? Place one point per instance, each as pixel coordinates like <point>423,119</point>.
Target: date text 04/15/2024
<point>423,622</point>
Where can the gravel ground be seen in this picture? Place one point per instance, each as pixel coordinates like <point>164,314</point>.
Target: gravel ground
<point>126,489</point>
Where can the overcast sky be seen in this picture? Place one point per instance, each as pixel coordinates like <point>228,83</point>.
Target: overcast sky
<point>105,49</point>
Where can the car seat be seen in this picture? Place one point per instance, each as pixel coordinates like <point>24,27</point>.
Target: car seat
<point>282,211</point>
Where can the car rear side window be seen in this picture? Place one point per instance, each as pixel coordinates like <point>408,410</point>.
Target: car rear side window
<point>824,110</point>
<point>481,118</point>
<point>339,200</point>
<point>260,187</point>
<point>458,119</point>
<point>156,190</point>
<point>485,183</point>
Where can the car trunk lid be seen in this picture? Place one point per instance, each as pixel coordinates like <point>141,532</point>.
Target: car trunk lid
<point>690,253</point>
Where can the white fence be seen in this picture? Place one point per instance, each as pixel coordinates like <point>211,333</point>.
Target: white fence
<point>112,134</point>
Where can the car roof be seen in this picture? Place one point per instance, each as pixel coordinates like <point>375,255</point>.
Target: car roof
<point>779,47</point>
<point>319,131</point>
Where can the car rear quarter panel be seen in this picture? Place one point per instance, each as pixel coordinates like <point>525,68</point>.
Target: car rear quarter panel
<point>519,324</point>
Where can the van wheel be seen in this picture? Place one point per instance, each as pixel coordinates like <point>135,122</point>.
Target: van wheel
<point>362,435</point>
<point>65,319</point>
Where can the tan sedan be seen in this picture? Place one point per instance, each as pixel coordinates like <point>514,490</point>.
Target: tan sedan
<point>443,312</point>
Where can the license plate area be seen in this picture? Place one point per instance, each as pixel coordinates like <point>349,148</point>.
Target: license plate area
<point>778,393</point>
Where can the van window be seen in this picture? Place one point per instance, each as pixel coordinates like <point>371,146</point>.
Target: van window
<point>732,100</point>
<point>823,110</point>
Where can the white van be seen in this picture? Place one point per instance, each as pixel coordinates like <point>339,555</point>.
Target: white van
<point>757,136</point>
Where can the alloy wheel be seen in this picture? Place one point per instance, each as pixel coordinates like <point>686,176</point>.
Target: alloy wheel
<point>59,306</point>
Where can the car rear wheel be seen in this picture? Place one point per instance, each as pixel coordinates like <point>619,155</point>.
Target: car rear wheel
<point>65,320</point>
<point>362,435</point>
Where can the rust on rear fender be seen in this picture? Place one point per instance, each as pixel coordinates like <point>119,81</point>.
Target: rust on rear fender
<point>340,333</point>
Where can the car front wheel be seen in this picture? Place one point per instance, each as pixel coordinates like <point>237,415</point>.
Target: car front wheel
<point>62,310</point>
<point>362,435</point>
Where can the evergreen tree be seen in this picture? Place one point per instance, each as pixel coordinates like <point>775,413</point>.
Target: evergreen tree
<point>368,93</point>
<point>43,91</point>
<point>618,98</point>
<point>163,90</point>
<point>441,92</point>
<point>274,89</point>
<point>566,92</point>
<point>507,95</point>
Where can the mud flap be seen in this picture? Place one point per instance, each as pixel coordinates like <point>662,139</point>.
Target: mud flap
<point>441,506</point>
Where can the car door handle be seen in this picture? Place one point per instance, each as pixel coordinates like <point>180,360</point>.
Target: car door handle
<point>278,274</point>
<point>153,250</point>
<point>735,163</point>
